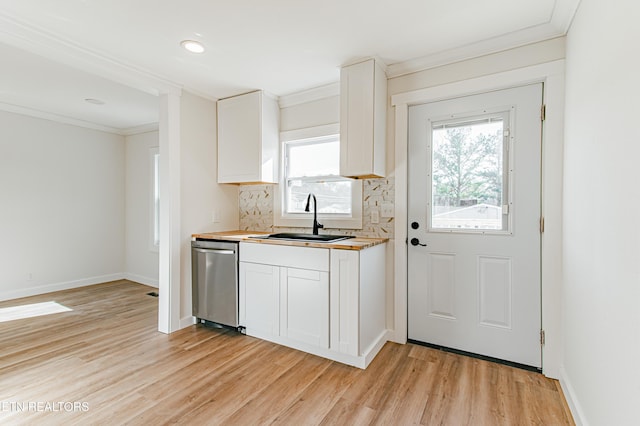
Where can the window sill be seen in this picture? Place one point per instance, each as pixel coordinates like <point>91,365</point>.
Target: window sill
<point>306,221</point>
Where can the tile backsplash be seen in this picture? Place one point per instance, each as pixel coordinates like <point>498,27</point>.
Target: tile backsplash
<point>256,209</point>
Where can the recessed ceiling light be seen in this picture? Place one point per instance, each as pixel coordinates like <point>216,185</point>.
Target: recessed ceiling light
<point>192,46</point>
<point>94,101</point>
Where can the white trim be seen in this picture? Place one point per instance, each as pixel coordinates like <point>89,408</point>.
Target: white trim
<point>361,361</point>
<point>572,400</point>
<point>557,26</point>
<point>310,132</point>
<point>310,95</point>
<point>552,178</point>
<point>31,112</point>
<point>400,229</point>
<point>43,42</point>
<point>502,80</point>
<point>471,51</point>
<point>137,130</point>
<point>187,321</point>
<point>140,279</point>
<point>65,285</point>
<point>169,274</point>
<point>551,74</point>
<point>563,14</point>
<point>377,59</point>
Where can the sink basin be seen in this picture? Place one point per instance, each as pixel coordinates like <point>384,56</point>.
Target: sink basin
<point>307,237</point>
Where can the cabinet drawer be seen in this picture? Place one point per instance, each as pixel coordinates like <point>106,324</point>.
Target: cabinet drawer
<point>289,256</point>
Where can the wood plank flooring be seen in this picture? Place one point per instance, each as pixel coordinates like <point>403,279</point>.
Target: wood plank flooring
<point>108,358</point>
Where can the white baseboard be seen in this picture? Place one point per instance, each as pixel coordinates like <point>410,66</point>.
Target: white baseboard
<point>48,288</point>
<point>572,400</point>
<point>392,336</point>
<point>187,321</point>
<point>361,361</point>
<point>376,346</point>
<point>152,282</point>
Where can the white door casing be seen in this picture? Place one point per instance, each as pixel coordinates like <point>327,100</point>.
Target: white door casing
<point>479,291</point>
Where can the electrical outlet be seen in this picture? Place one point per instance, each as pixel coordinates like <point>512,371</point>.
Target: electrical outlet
<point>215,216</point>
<point>387,210</point>
<point>375,217</point>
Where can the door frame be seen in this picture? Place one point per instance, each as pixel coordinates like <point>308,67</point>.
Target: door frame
<point>552,75</point>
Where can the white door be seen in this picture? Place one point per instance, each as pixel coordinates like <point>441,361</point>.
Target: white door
<point>474,224</point>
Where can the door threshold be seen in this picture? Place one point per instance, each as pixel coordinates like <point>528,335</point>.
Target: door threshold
<point>477,356</point>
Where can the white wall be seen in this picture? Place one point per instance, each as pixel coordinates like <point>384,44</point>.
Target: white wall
<point>601,205</point>
<point>201,195</point>
<point>141,262</point>
<point>310,114</point>
<point>61,206</point>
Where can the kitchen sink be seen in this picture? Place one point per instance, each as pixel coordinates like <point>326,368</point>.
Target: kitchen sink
<point>307,237</point>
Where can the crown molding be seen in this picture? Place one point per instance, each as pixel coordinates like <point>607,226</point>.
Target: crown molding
<point>563,14</point>
<point>17,109</point>
<point>475,50</point>
<point>40,41</point>
<point>199,93</point>
<point>143,128</point>
<point>378,60</point>
<point>63,119</point>
<point>557,25</point>
<point>310,95</point>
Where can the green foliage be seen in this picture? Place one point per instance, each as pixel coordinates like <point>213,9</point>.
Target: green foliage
<point>467,166</point>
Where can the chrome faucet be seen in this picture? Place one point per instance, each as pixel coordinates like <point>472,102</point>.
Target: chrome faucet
<point>316,225</point>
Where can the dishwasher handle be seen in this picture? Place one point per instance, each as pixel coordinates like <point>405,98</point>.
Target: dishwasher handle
<point>217,251</point>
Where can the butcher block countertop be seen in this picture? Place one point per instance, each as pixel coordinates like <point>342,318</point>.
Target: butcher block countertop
<point>357,243</point>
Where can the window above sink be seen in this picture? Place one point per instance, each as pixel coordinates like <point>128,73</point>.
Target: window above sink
<point>310,164</point>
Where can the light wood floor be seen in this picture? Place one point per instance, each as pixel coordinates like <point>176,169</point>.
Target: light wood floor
<point>107,354</point>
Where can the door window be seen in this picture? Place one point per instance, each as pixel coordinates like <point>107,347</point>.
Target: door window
<point>469,179</point>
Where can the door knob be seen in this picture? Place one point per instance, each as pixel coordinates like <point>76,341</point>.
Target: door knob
<point>416,242</point>
<point>415,225</point>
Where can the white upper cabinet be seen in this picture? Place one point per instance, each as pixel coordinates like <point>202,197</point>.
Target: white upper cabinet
<point>363,117</point>
<point>248,139</point>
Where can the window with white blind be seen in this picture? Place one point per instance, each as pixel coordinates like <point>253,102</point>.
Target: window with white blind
<point>311,165</point>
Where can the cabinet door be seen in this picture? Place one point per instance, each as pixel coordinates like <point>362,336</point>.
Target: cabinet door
<point>239,139</point>
<point>363,103</point>
<point>259,298</point>
<point>304,306</point>
<point>345,301</point>
<point>248,139</point>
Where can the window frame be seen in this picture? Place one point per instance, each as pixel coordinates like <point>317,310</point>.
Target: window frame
<point>304,220</point>
<point>506,114</point>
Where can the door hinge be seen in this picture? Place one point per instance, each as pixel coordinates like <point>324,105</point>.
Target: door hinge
<point>541,337</point>
<point>542,225</point>
<point>543,112</point>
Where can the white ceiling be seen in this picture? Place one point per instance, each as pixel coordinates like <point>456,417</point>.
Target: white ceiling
<point>34,85</point>
<point>104,49</point>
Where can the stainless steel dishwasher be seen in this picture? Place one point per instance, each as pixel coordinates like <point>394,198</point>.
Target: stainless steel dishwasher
<point>214,281</point>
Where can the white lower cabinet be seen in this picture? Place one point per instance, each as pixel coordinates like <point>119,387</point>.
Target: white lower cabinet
<point>327,302</point>
<point>358,302</point>
<point>304,306</point>
<point>260,297</point>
